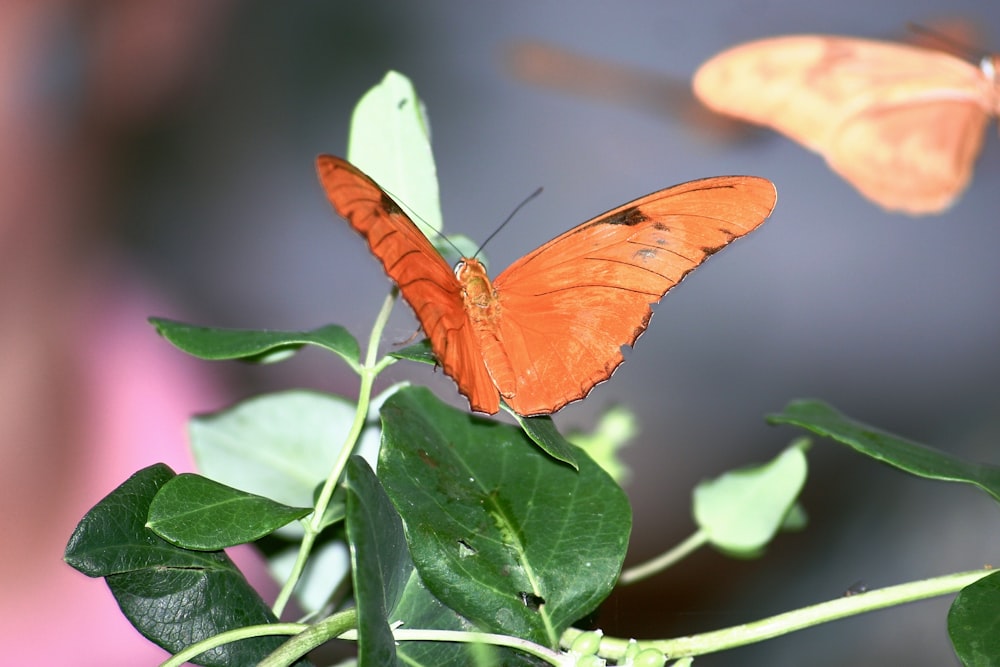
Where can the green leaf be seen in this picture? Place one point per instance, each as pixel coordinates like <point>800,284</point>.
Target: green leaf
<point>194,512</point>
<point>111,538</point>
<point>542,430</point>
<point>390,141</point>
<point>420,352</point>
<point>492,521</point>
<point>741,510</point>
<point>380,560</point>
<point>974,623</point>
<point>251,345</point>
<point>912,457</point>
<point>279,445</point>
<point>173,596</point>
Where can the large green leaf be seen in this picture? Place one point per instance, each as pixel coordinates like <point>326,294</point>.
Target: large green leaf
<point>252,345</point>
<point>500,532</point>
<point>974,623</point>
<point>173,596</point>
<point>912,457</point>
<point>195,512</point>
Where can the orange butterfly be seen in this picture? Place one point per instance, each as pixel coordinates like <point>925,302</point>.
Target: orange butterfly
<point>901,123</point>
<point>552,325</point>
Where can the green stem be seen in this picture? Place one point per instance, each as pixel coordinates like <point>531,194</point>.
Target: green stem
<point>774,626</point>
<point>529,647</point>
<point>314,637</point>
<point>369,370</point>
<point>247,632</point>
<point>664,560</point>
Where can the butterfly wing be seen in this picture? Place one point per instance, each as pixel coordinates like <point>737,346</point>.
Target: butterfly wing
<point>424,279</point>
<point>902,124</point>
<point>568,307</point>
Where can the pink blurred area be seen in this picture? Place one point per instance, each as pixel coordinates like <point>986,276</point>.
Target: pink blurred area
<point>89,394</point>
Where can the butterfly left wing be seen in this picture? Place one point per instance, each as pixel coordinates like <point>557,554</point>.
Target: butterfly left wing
<point>568,307</point>
<point>424,279</point>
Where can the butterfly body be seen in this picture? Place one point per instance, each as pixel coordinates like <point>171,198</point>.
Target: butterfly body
<point>551,326</point>
<point>901,123</point>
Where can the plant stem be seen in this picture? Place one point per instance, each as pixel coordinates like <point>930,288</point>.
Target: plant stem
<point>369,370</point>
<point>316,635</point>
<point>547,654</point>
<point>247,632</point>
<point>664,560</point>
<point>767,628</point>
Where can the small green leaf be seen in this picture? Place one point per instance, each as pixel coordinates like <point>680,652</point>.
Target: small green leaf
<point>617,426</point>
<point>542,430</point>
<point>390,141</point>
<point>912,457</point>
<point>195,512</point>
<point>279,445</point>
<point>251,345</point>
<point>175,597</point>
<point>796,519</point>
<point>493,523</point>
<point>420,352</point>
<point>742,510</point>
<point>974,623</point>
<point>381,562</point>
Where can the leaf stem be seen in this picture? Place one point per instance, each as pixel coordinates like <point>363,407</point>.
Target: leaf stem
<point>782,624</point>
<point>368,370</point>
<point>664,560</point>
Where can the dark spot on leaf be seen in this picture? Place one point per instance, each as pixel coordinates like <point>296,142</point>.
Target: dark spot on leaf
<point>402,103</point>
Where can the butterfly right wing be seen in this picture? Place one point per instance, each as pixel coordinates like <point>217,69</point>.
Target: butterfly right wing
<point>424,279</point>
<point>902,124</point>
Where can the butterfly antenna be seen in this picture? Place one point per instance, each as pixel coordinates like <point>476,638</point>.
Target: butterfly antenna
<point>954,45</point>
<point>509,218</point>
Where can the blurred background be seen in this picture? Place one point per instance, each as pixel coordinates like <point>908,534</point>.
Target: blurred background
<point>157,159</point>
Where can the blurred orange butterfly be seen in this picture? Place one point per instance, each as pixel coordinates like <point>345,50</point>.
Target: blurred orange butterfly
<point>552,325</point>
<point>902,124</point>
